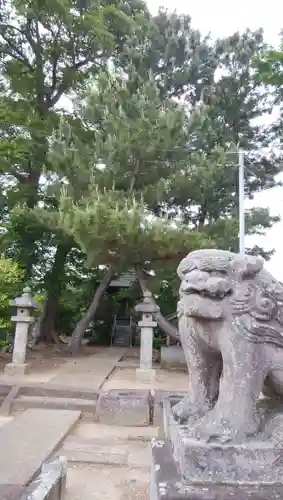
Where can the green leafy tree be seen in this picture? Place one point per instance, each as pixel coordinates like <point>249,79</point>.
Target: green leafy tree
<point>11,281</point>
<point>268,67</point>
<point>134,140</point>
<point>179,163</point>
<point>217,79</point>
<point>48,49</point>
<point>117,167</point>
<point>181,61</point>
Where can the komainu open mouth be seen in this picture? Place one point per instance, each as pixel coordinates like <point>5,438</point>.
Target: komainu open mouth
<point>206,293</point>
<point>213,288</point>
<point>201,306</point>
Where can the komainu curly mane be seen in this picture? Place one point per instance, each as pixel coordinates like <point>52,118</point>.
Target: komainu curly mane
<point>258,306</point>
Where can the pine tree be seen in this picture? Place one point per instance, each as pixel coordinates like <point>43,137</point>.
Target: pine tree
<point>48,49</point>
<point>117,168</point>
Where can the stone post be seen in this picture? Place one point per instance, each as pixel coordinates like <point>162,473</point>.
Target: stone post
<point>145,372</point>
<point>25,304</point>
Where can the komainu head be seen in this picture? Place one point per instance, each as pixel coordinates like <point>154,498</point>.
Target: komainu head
<point>218,285</point>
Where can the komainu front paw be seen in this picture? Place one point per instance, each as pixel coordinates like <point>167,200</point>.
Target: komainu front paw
<point>181,411</point>
<point>184,410</point>
<point>224,428</point>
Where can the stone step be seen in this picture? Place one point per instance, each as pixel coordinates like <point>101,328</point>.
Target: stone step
<point>30,439</point>
<point>114,433</point>
<point>106,452</point>
<point>52,390</point>
<point>84,405</point>
<point>95,452</point>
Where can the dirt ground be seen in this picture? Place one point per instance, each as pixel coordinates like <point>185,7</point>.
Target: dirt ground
<point>96,368</point>
<point>45,358</point>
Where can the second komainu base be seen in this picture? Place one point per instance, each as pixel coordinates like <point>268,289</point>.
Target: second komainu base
<point>184,468</point>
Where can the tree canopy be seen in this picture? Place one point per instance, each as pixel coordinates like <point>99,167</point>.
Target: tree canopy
<point>119,134</point>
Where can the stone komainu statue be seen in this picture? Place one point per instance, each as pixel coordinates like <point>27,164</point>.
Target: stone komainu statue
<point>231,327</point>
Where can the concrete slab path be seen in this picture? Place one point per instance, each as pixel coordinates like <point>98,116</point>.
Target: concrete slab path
<point>108,483</point>
<point>30,439</point>
<point>125,378</point>
<point>89,372</point>
<point>107,461</point>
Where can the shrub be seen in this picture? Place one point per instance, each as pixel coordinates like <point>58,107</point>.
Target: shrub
<point>11,283</point>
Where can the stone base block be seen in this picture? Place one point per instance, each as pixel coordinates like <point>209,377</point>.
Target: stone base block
<point>258,459</point>
<point>167,482</point>
<point>144,375</point>
<point>173,358</point>
<point>159,397</point>
<point>124,408</point>
<point>16,370</point>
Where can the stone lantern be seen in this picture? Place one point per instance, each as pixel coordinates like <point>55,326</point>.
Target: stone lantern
<point>147,307</point>
<point>25,305</point>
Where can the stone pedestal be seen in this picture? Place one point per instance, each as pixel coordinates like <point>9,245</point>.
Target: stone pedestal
<point>173,358</point>
<point>145,374</point>
<point>183,467</point>
<point>16,369</point>
<point>167,482</point>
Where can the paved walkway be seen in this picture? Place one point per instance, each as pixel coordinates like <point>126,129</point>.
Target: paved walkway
<point>108,461</point>
<point>89,372</point>
<point>29,439</point>
<point>125,378</point>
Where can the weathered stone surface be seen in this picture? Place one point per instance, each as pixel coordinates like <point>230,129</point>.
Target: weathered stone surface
<point>29,439</point>
<point>172,358</point>
<point>50,484</point>
<point>158,398</point>
<point>124,407</point>
<point>84,405</point>
<point>167,482</point>
<point>225,442</point>
<point>16,369</point>
<point>8,401</point>
<point>257,459</point>
<point>94,451</point>
<point>230,323</point>
<point>89,430</point>
<point>10,491</point>
<point>57,391</point>
<point>146,375</point>
<point>5,388</point>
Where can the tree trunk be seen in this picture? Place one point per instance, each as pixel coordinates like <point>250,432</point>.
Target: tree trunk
<point>78,333</point>
<point>47,324</point>
<point>54,282</point>
<point>162,322</point>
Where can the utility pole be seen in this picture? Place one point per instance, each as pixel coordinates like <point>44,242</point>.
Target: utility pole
<point>241,202</point>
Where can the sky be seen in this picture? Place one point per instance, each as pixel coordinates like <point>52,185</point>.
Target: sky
<point>221,18</point>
